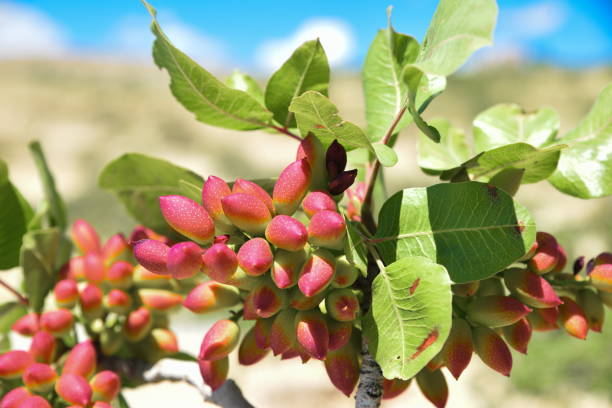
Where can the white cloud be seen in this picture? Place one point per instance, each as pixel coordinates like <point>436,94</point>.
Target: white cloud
<point>535,20</point>
<point>335,36</point>
<point>25,32</point>
<point>133,39</point>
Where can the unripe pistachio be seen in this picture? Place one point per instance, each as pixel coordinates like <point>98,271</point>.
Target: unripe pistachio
<point>81,360</point>
<point>43,347</point>
<point>116,248</point>
<point>39,377</point>
<point>152,255</point>
<point>247,212</point>
<point>593,308</point>
<point>530,288</point>
<point>210,296</point>
<point>144,278</point>
<point>255,257</point>
<point>289,354</point>
<point>492,350</point>
<point>491,287</point>
<point>606,298</point>
<point>15,398</point>
<point>248,309</point>
<point>73,389</point>
<point>547,255</point>
<point>327,229</point>
<point>188,218</point>
<point>119,275</point>
<point>530,253</point>
<point>573,319</point>
<point>105,386</point>
<point>287,233</point>
<point>395,387</point>
<point>317,273</point>
<point>291,186</point>
<point>118,301</point>
<point>601,275</point>
<point>111,341</point>
<point>261,332</point>
<point>316,201</point>
<point>286,268</point>
<point>458,349</point>
<point>339,333</point>
<point>184,260</point>
<point>214,373</point>
<point>159,299</point>
<point>282,331</point>
<point>213,191</point>
<point>342,304</point>
<point>543,320</point>
<point>312,333</point>
<point>57,322</point>
<point>90,300</point>
<point>35,401</point>
<point>465,289</point>
<point>433,386</point>
<point>76,268</point>
<point>95,271</point>
<point>66,293</point>
<point>267,299</point>
<point>346,274</point>
<point>13,363</point>
<point>138,324</point>
<point>496,311</point>
<point>518,335</point>
<point>219,340</point>
<point>220,263</point>
<point>248,187</point>
<point>300,301</point>
<point>141,232</point>
<point>27,325</point>
<point>342,366</point>
<point>101,404</point>
<point>249,352</point>
<point>312,150</point>
<point>85,237</point>
<point>164,343</point>
<point>561,260</point>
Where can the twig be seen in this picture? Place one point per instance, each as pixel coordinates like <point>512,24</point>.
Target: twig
<point>230,396</point>
<point>156,375</point>
<point>22,299</point>
<point>285,131</point>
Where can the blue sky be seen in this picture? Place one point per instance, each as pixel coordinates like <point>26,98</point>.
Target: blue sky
<point>258,35</point>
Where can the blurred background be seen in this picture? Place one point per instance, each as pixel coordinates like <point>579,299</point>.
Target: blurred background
<point>78,76</point>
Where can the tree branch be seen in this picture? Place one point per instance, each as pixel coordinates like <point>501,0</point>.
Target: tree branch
<point>285,131</point>
<point>22,299</point>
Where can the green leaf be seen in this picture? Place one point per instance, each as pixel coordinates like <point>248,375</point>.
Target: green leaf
<point>473,229</point>
<point>122,401</point>
<point>508,123</point>
<point>15,214</point>
<point>410,317</point>
<point>451,152</point>
<point>201,93</point>
<point>458,28</point>
<point>317,114</point>
<point>508,180</point>
<point>9,313</point>
<point>57,208</point>
<point>585,167</point>
<point>138,181</point>
<point>38,256</point>
<point>245,82</point>
<point>306,70</point>
<point>354,247</point>
<point>538,164</point>
<point>385,154</point>
<point>183,356</point>
<point>384,88</point>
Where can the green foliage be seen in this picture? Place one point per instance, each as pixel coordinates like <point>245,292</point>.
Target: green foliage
<point>15,214</point>
<point>508,123</point>
<point>201,93</point>
<point>355,248</point>
<point>585,167</point>
<point>450,152</point>
<point>138,181</point>
<point>245,82</point>
<point>9,313</point>
<point>472,229</point>
<point>410,316</point>
<point>306,70</point>
<point>38,260</point>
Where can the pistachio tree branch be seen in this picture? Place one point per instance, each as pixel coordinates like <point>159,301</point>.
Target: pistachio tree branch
<point>20,298</point>
<point>285,131</point>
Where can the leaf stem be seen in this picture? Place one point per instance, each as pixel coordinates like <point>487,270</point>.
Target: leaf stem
<point>373,173</point>
<point>285,131</point>
<point>22,299</point>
